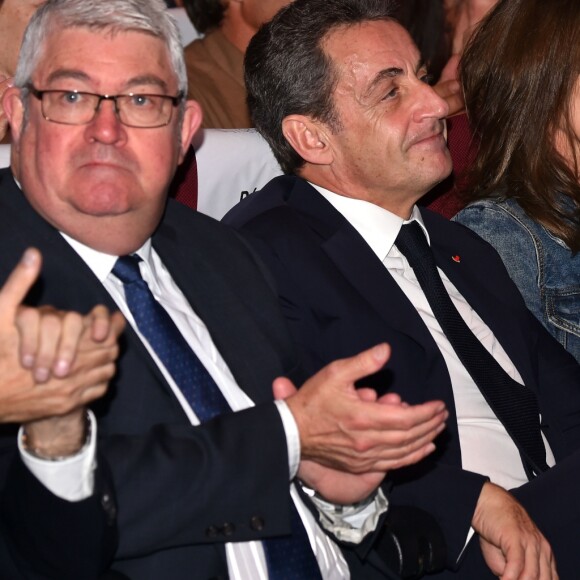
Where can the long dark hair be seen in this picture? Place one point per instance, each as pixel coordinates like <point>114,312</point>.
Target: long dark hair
<point>519,73</point>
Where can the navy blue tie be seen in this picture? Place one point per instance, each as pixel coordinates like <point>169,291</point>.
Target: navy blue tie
<point>289,557</point>
<point>514,405</point>
<point>156,326</point>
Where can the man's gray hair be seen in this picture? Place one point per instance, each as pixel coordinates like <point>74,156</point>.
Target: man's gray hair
<point>149,16</point>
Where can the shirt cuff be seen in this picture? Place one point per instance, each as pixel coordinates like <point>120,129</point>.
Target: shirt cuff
<point>350,523</point>
<point>292,437</point>
<point>71,479</point>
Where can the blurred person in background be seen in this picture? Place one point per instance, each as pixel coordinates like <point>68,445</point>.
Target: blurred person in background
<point>14,16</point>
<point>215,63</point>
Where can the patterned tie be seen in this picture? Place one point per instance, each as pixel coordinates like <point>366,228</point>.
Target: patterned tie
<point>514,405</point>
<point>288,558</point>
<point>168,343</point>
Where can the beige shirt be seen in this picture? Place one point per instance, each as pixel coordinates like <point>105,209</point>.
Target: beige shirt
<point>215,72</point>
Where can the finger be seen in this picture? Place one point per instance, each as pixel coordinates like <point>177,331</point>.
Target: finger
<point>407,443</point>
<point>49,334</point>
<point>390,399</point>
<point>28,322</point>
<point>118,323</point>
<point>519,563</point>
<point>414,457</point>
<point>19,283</point>
<point>451,69</point>
<point>283,388</point>
<point>451,91</point>
<point>349,370</point>
<point>70,334</point>
<point>546,567</point>
<point>413,421</point>
<point>100,321</point>
<point>366,394</point>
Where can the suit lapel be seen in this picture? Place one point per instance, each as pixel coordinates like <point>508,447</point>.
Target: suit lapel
<point>360,265</point>
<point>250,356</point>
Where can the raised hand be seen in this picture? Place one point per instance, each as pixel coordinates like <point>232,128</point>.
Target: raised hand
<point>358,433</point>
<point>50,362</point>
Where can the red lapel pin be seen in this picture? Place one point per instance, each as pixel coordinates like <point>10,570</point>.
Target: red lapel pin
<point>456,259</point>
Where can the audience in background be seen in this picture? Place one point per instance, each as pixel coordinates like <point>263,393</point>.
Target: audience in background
<point>14,16</point>
<point>427,23</point>
<point>521,74</point>
<point>215,62</point>
<point>463,16</point>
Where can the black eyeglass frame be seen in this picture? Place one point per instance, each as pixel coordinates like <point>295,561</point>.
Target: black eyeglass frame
<point>175,101</point>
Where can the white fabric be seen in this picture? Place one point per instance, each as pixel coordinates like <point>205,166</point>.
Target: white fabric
<point>486,447</point>
<point>4,156</point>
<point>62,477</point>
<point>230,164</point>
<point>186,29</point>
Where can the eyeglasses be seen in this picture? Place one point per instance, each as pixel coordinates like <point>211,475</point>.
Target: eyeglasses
<point>143,111</point>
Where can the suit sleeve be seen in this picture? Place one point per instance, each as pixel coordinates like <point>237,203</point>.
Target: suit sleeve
<point>44,537</point>
<point>226,480</point>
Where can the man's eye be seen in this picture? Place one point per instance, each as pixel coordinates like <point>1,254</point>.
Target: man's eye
<point>71,98</point>
<point>427,79</point>
<point>391,94</point>
<point>141,101</point>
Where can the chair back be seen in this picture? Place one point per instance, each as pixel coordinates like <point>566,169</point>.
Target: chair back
<point>231,164</point>
<point>4,156</point>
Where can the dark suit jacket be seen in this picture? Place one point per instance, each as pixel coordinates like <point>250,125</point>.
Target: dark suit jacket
<point>182,491</point>
<point>338,299</point>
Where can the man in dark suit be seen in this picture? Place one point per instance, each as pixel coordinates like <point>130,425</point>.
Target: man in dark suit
<point>340,93</point>
<point>98,132</point>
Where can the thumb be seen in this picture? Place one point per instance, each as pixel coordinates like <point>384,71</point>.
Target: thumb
<point>283,388</point>
<point>19,282</point>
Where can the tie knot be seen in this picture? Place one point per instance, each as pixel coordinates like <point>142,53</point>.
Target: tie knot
<point>127,269</point>
<point>412,243</point>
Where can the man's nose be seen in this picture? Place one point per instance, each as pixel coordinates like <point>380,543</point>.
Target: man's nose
<point>431,105</point>
<point>106,126</point>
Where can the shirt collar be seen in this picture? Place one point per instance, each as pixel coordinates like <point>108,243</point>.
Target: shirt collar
<point>101,263</point>
<point>378,226</point>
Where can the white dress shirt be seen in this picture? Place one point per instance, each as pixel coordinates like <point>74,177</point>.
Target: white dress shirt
<point>72,479</point>
<point>486,447</point>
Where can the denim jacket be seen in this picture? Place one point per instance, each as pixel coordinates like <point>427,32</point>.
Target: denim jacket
<point>541,265</point>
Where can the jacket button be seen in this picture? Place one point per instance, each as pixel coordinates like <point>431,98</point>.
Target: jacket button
<point>211,532</point>
<point>109,506</point>
<point>228,529</point>
<point>257,523</point>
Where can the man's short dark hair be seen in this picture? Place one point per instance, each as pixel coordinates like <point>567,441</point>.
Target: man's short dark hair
<point>287,71</point>
<point>205,14</point>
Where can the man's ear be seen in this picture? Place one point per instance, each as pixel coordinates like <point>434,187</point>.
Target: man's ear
<point>14,111</point>
<point>308,138</point>
<point>192,118</point>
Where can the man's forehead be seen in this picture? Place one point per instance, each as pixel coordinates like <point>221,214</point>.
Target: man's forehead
<point>100,55</point>
<point>369,47</point>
